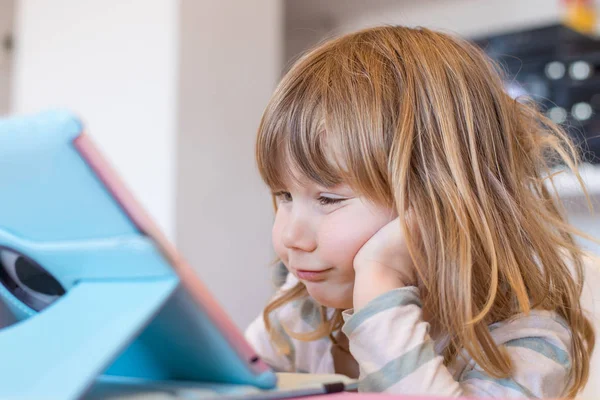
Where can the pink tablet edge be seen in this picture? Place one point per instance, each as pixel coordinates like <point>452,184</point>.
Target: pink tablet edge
<point>134,210</point>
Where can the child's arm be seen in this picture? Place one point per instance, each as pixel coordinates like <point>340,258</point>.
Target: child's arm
<point>390,342</point>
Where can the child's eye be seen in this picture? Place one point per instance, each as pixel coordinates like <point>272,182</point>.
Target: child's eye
<point>324,201</point>
<point>283,196</point>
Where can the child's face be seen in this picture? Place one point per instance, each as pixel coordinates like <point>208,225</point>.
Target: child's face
<point>317,233</point>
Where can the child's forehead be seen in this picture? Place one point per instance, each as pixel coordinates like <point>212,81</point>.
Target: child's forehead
<point>294,178</point>
<point>297,164</point>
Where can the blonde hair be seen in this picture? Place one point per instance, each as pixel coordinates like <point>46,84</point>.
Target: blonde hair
<point>420,120</point>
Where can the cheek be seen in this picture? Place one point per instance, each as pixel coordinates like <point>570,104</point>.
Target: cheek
<point>346,232</point>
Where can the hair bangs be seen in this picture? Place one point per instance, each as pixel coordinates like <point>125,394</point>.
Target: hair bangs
<point>293,141</point>
<point>318,127</point>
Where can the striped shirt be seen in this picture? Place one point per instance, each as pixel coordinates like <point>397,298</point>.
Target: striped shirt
<point>390,341</point>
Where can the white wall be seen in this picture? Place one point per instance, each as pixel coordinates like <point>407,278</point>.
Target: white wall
<point>580,217</point>
<point>6,22</point>
<point>230,62</point>
<point>115,64</point>
<point>173,92</point>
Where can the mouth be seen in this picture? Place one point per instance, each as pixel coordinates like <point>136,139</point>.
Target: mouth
<point>312,276</point>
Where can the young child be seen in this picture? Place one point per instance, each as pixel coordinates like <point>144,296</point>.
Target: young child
<point>426,254</point>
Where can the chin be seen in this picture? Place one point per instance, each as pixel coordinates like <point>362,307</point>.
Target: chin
<point>332,297</point>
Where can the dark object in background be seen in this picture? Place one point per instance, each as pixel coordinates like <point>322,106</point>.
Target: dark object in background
<point>7,43</point>
<point>560,69</point>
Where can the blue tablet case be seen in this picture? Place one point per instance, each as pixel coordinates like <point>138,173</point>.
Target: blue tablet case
<point>115,306</point>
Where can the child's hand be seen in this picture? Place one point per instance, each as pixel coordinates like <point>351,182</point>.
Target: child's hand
<point>383,263</point>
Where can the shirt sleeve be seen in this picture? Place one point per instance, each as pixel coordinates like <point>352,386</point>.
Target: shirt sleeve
<point>391,343</point>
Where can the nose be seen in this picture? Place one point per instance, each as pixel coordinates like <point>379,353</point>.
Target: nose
<point>298,233</point>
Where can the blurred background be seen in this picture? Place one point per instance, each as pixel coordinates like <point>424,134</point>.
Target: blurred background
<point>173,91</point>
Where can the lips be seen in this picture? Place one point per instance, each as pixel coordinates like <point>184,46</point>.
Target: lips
<point>311,275</point>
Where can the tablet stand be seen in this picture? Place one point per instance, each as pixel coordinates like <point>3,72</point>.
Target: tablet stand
<point>59,352</point>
